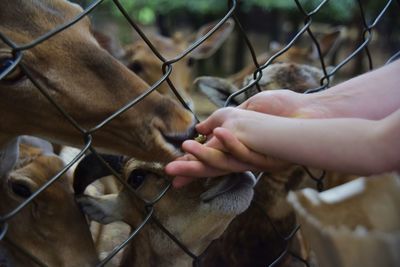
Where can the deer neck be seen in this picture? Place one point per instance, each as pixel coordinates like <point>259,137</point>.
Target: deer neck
<point>143,250</point>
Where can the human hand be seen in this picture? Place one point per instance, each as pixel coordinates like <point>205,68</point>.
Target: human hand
<point>226,126</point>
<point>285,103</point>
<point>222,154</point>
<point>238,156</point>
<point>211,163</point>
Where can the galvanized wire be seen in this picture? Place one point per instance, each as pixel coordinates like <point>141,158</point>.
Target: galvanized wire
<point>167,67</point>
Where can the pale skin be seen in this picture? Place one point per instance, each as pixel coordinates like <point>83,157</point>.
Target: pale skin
<point>352,127</point>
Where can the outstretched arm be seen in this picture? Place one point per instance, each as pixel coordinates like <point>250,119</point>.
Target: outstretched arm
<point>373,95</point>
<point>360,145</point>
<point>349,145</point>
<point>345,144</point>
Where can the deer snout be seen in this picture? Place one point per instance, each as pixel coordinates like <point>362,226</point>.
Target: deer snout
<point>230,194</point>
<point>176,139</point>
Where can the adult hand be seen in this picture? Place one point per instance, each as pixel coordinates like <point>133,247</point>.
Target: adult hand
<point>285,103</point>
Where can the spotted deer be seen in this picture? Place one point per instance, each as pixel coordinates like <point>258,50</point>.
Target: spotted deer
<point>51,230</point>
<point>139,58</point>
<point>297,53</point>
<point>85,80</point>
<point>195,215</point>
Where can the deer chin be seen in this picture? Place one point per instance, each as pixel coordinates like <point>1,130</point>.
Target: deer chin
<point>231,194</point>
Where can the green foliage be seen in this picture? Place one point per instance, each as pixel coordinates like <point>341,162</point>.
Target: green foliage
<point>145,11</point>
<point>336,10</point>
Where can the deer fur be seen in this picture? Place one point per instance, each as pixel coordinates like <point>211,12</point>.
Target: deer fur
<point>256,237</point>
<point>86,81</point>
<point>195,215</point>
<point>139,58</point>
<point>51,228</point>
<point>298,53</point>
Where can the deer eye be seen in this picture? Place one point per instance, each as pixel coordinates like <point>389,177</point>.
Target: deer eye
<point>15,75</point>
<point>21,189</point>
<point>137,177</point>
<point>136,67</point>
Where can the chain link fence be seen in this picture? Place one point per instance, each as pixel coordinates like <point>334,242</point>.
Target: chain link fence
<point>167,66</point>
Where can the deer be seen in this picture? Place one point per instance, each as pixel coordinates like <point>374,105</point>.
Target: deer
<point>51,230</point>
<point>298,53</point>
<point>376,201</point>
<point>86,82</point>
<point>257,236</point>
<point>195,215</point>
<point>139,58</point>
<point>293,76</point>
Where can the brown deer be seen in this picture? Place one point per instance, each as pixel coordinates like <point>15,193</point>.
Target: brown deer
<point>256,237</point>
<point>298,53</point>
<point>195,215</point>
<point>51,229</point>
<point>86,81</point>
<point>140,59</point>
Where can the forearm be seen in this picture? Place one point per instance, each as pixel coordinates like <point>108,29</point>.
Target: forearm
<point>373,95</point>
<point>349,145</point>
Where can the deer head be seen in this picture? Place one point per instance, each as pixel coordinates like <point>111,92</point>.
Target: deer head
<point>296,77</point>
<point>302,52</point>
<point>51,228</point>
<point>141,60</point>
<point>86,81</point>
<point>196,215</point>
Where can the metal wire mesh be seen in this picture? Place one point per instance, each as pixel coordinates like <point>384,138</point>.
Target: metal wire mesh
<point>167,66</point>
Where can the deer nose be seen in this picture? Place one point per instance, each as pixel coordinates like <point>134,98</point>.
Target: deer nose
<point>178,139</point>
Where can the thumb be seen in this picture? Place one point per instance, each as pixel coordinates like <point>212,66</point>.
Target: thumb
<point>214,120</point>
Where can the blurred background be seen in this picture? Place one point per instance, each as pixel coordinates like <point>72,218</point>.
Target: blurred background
<point>268,23</point>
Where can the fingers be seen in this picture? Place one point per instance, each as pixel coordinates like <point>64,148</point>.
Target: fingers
<point>188,171</point>
<point>192,168</point>
<point>215,143</point>
<point>239,151</point>
<point>202,161</point>
<point>181,181</point>
<point>214,158</point>
<point>235,147</point>
<point>214,120</point>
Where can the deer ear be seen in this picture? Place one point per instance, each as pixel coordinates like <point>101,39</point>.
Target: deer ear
<point>211,44</point>
<point>91,169</point>
<point>103,209</point>
<point>217,90</point>
<point>327,43</point>
<point>45,146</point>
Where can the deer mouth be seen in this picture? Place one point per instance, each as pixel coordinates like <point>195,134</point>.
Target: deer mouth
<point>176,139</point>
<point>232,194</point>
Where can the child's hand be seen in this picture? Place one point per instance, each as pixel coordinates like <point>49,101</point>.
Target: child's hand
<point>223,154</point>
<point>203,161</point>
